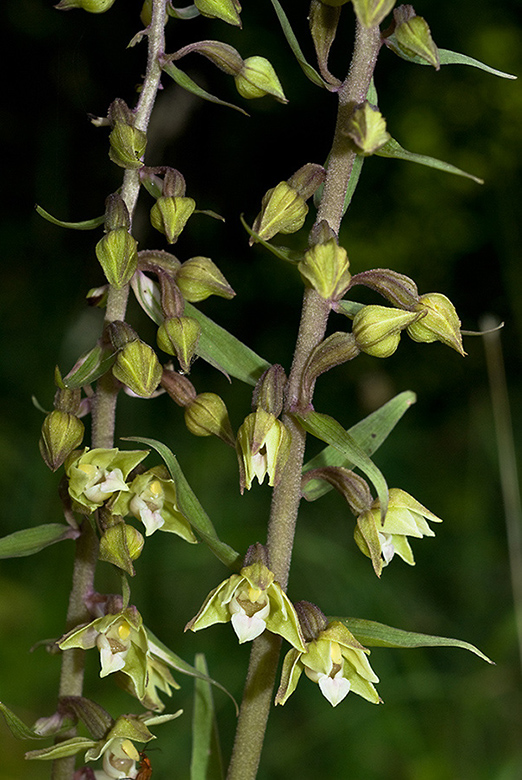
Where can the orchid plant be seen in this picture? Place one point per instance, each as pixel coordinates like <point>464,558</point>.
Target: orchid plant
<point>114,498</point>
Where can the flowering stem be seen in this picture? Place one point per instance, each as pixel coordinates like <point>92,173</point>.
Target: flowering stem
<point>286,498</point>
<point>104,406</point>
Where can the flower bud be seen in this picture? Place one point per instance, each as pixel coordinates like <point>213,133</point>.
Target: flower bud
<point>269,391</point>
<point>127,146</point>
<point>169,215</point>
<point>353,488</point>
<point>179,387</point>
<point>91,6</point>
<point>179,336</point>
<point>311,619</point>
<point>413,37</point>
<point>397,288</point>
<point>62,433</point>
<point>138,368</point>
<point>372,12</point>
<point>199,277</point>
<point>207,415</point>
<point>377,329</point>
<point>120,333</point>
<point>116,213</point>
<point>325,268</point>
<point>224,56</point>
<point>307,179</point>
<point>439,323</point>
<point>226,10</point>
<point>121,544</point>
<point>335,350</point>
<point>283,210</point>
<point>367,129</point>
<point>118,256</point>
<point>258,78</point>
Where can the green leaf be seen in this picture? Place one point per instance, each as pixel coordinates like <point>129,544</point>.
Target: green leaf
<point>184,81</point>
<point>190,507</point>
<point>88,224</point>
<point>224,351</point>
<point>369,434</point>
<point>166,655</point>
<point>90,367</point>
<point>17,727</point>
<point>62,750</point>
<point>393,149</point>
<point>329,430</point>
<point>307,69</point>
<point>206,762</point>
<point>281,252</point>
<point>447,57</point>
<point>31,540</point>
<point>348,308</point>
<point>372,634</point>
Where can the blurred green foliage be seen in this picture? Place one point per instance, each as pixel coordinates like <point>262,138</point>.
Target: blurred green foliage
<point>446,714</point>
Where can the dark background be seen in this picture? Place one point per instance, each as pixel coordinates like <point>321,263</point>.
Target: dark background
<point>446,714</point>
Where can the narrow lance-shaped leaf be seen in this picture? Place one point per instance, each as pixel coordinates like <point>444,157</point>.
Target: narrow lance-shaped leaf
<point>206,761</point>
<point>70,747</point>
<point>17,727</point>
<point>184,81</point>
<point>31,540</point>
<point>393,149</point>
<point>329,430</point>
<point>368,434</point>
<point>190,507</point>
<point>447,57</point>
<point>372,634</point>
<point>173,660</point>
<point>87,224</point>
<point>307,69</point>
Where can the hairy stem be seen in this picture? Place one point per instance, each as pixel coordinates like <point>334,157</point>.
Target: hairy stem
<point>104,406</point>
<point>264,658</point>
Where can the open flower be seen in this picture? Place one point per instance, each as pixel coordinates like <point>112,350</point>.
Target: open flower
<point>122,642</point>
<point>151,498</point>
<point>96,475</point>
<point>252,602</point>
<point>263,444</point>
<point>334,659</point>
<point>405,517</point>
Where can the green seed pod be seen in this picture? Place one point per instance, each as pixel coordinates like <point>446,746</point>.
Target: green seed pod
<point>199,277</point>
<point>138,368</point>
<point>169,215</point>
<point>117,254</point>
<point>179,336</point>
<point>62,433</point>
<point>207,415</point>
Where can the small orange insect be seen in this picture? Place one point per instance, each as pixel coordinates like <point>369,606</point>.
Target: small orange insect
<point>145,768</point>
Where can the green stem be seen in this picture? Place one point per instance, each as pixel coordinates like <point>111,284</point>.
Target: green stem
<point>264,658</point>
<point>104,406</point>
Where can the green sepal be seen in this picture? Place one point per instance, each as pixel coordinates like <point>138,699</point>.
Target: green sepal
<point>329,430</point>
<point>206,760</point>
<point>185,82</point>
<point>393,149</point>
<point>373,634</point>
<point>307,69</point>
<point>447,57</point>
<point>368,434</point>
<point>31,540</point>
<point>191,508</point>
<point>87,224</point>
<point>70,747</point>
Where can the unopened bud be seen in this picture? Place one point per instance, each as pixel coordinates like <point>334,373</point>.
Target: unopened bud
<point>335,350</point>
<point>226,10</point>
<point>199,277</point>
<point>121,544</point>
<point>311,619</point>
<point>117,254</point>
<point>207,415</point>
<point>138,368</point>
<point>397,288</point>
<point>179,387</point>
<point>258,78</point>
<point>325,267</point>
<point>169,215</point>
<point>413,36</point>
<point>439,323</point>
<point>120,334</point>
<point>283,210</point>
<point>62,433</point>
<point>367,129</point>
<point>116,213</point>
<point>179,336</point>
<point>269,391</point>
<point>307,179</point>
<point>372,12</point>
<point>91,6</point>
<point>377,329</point>
<point>224,56</point>
<point>127,146</point>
